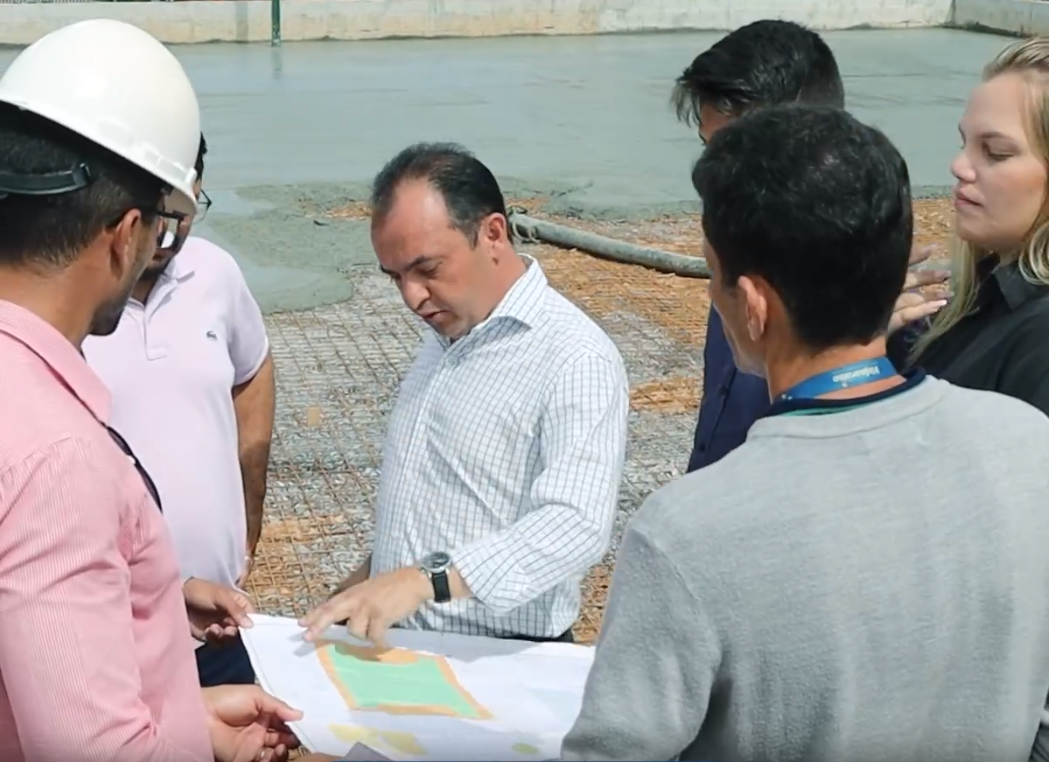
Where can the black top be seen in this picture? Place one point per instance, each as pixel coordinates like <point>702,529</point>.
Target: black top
<point>1004,344</point>
<point>731,400</point>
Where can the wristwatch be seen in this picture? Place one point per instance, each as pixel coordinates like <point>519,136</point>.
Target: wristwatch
<point>435,566</point>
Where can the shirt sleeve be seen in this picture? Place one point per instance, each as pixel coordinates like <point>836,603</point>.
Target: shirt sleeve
<point>248,342</point>
<point>655,663</point>
<point>67,647</point>
<point>1039,746</point>
<point>1024,375</point>
<point>582,438</point>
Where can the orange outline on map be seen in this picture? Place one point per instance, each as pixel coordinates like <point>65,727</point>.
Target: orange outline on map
<point>396,656</point>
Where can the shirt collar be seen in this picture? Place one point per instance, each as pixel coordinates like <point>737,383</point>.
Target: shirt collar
<point>64,359</point>
<point>175,272</point>
<point>523,302</point>
<point>1013,286</point>
<point>177,268</point>
<point>820,405</point>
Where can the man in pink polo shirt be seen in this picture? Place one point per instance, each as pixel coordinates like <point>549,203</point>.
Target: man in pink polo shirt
<point>192,381</point>
<point>98,130</point>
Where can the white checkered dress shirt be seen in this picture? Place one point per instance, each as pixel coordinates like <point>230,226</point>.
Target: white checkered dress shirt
<point>506,449</point>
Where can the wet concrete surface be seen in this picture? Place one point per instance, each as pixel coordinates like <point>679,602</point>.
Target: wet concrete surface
<point>586,119</point>
<point>299,130</point>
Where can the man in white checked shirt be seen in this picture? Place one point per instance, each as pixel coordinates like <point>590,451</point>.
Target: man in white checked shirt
<point>504,453</point>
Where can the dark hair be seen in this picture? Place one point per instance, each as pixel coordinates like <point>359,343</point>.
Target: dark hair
<point>766,63</point>
<point>54,229</point>
<point>468,187</point>
<point>199,163</point>
<point>819,206</point>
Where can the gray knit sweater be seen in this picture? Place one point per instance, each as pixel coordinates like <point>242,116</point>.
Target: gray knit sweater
<point>859,586</point>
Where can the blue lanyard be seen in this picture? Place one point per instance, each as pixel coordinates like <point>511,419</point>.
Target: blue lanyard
<point>840,378</point>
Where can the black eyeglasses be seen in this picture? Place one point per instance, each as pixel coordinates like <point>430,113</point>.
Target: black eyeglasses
<point>203,205</point>
<point>171,232</point>
<point>169,227</point>
<point>126,449</point>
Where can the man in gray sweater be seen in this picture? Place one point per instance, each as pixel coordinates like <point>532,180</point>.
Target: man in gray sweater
<point>866,578</point>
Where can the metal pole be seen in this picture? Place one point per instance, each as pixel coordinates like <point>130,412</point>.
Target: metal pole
<point>275,23</point>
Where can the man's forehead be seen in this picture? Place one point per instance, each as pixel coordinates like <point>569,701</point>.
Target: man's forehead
<point>414,232</point>
<point>416,221</point>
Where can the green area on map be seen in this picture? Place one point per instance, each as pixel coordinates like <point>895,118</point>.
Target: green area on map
<point>397,681</point>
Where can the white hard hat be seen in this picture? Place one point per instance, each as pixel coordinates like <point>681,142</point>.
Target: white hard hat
<point>119,87</point>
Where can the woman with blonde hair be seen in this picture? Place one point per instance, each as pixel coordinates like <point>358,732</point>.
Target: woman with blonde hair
<point>993,334</point>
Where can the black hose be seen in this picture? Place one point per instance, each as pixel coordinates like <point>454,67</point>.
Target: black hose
<point>531,230</point>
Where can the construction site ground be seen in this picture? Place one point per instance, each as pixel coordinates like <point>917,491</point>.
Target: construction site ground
<point>338,368</point>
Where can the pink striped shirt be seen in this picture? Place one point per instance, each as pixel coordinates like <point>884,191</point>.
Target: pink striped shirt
<point>94,659</point>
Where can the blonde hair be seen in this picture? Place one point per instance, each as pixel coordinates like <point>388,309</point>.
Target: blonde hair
<point>1029,58</point>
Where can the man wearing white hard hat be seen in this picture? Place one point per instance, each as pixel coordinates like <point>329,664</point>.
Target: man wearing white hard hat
<point>99,128</point>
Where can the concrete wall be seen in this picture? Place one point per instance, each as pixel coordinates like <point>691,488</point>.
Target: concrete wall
<point>249,20</point>
<point>1022,17</point>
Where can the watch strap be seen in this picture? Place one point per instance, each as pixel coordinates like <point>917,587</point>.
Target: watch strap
<point>442,593</point>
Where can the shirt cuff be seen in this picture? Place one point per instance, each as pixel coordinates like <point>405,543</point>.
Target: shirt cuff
<point>494,574</point>
<point>253,369</point>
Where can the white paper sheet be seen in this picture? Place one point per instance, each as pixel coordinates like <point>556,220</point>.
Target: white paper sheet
<point>531,693</point>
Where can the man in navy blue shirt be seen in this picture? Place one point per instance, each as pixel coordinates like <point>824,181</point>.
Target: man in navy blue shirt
<point>765,63</point>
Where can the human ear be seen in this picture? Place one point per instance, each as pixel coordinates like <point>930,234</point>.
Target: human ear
<point>493,229</point>
<point>756,307</point>
<point>126,242</point>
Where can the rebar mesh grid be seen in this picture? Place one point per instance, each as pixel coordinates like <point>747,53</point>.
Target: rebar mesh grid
<point>338,369</point>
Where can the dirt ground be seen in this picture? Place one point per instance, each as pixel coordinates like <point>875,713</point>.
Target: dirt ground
<point>677,305</point>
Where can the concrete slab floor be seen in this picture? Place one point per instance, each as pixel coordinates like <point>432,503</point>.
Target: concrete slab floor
<point>585,117</point>
<point>306,126</point>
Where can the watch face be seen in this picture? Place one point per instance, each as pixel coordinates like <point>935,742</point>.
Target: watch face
<point>438,561</point>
